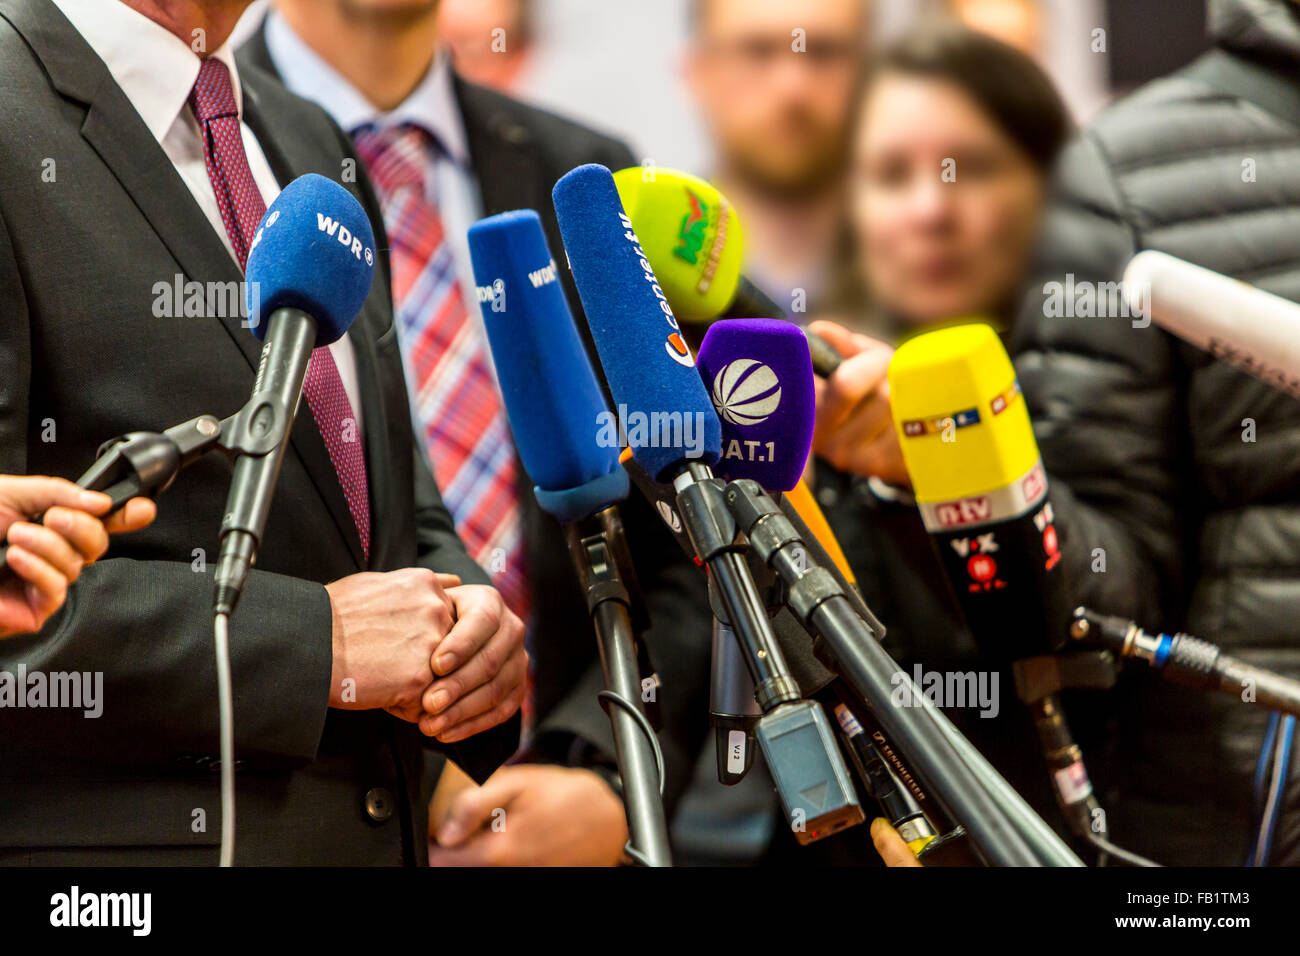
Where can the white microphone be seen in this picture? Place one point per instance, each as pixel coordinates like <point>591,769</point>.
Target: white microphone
<point>1254,330</point>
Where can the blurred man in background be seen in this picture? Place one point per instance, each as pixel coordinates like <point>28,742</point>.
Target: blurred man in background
<point>443,153</point>
<point>490,41</point>
<point>776,84</point>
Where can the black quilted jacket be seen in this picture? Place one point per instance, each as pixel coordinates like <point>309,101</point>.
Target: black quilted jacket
<point>1179,473</point>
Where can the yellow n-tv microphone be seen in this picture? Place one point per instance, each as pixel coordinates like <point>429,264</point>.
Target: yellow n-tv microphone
<point>981,488</point>
<point>982,492</point>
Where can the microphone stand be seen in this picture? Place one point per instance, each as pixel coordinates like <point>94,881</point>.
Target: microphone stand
<point>600,555</point>
<point>969,791</point>
<point>794,734</point>
<point>144,464</point>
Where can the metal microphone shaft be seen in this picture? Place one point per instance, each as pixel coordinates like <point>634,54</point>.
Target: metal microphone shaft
<point>262,426</point>
<point>594,545</point>
<point>816,598</point>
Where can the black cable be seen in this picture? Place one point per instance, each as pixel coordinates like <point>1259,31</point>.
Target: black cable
<point>635,855</point>
<point>644,724</point>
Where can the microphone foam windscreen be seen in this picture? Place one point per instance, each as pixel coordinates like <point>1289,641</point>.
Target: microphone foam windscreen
<point>760,376</point>
<point>554,403</point>
<point>662,403</point>
<point>691,235</point>
<point>962,424</point>
<point>315,251</point>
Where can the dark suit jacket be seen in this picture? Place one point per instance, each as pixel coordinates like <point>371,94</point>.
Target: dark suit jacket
<point>518,152</point>
<point>84,357</point>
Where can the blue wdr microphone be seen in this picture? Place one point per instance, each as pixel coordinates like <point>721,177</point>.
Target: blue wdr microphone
<point>561,428</point>
<point>556,409</point>
<point>667,414</point>
<point>309,272</point>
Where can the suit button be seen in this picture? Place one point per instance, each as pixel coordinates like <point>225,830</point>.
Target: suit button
<point>379,804</point>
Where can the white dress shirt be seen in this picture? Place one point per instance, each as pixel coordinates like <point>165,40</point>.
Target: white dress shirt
<point>157,70</point>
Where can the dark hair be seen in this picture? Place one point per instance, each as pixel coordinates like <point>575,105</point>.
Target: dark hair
<point>1009,86</point>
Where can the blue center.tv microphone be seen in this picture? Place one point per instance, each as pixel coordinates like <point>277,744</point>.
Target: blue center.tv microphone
<point>309,272</point>
<point>568,445</point>
<point>662,404</point>
<point>674,433</point>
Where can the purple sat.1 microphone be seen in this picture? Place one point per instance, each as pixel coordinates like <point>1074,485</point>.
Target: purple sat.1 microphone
<point>760,379</point>
<point>759,375</point>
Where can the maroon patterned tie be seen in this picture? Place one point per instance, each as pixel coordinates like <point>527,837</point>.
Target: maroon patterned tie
<point>242,208</point>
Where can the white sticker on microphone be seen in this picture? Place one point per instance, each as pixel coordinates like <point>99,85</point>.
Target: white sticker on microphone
<point>1073,782</point>
<point>736,751</point>
<point>1000,504</point>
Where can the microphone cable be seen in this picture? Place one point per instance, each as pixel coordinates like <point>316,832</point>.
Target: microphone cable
<point>226,726</point>
<point>1277,740</point>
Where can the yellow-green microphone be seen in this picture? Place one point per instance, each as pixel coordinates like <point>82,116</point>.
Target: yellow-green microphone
<point>693,238</point>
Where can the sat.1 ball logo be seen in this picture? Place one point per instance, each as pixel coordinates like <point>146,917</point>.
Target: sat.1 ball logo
<point>746,392</point>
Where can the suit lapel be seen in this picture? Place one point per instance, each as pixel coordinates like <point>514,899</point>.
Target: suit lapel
<point>502,153</point>
<point>115,131</point>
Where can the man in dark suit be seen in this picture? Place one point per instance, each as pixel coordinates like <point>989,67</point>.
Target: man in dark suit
<point>121,150</point>
<point>375,65</point>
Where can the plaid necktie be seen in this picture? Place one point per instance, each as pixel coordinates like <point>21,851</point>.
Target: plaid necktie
<point>457,405</point>
<point>242,208</point>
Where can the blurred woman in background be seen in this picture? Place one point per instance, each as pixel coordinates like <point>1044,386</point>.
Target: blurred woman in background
<point>957,135</point>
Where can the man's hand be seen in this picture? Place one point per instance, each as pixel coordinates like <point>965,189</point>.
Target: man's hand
<point>853,428</point>
<point>890,845</point>
<point>386,628</point>
<point>427,649</point>
<point>532,816</point>
<point>46,558</point>
<point>480,667</point>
